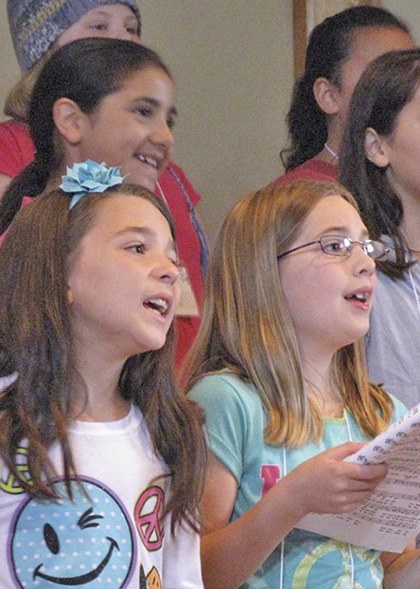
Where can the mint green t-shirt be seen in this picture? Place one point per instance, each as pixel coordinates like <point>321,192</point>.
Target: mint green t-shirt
<point>235,422</point>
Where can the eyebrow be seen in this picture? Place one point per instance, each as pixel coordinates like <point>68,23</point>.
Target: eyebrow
<point>146,231</point>
<point>342,229</point>
<point>102,12</point>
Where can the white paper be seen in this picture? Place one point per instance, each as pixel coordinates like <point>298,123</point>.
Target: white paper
<point>390,518</point>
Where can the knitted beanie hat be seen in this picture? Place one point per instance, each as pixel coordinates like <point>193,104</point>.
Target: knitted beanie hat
<point>36,24</point>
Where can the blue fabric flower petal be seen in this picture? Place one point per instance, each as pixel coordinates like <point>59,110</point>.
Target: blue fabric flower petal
<point>89,177</point>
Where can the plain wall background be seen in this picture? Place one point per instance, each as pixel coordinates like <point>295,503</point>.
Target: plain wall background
<point>233,67</point>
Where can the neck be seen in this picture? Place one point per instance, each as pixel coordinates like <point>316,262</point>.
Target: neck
<point>331,150</point>
<point>96,392</point>
<point>319,386</point>
<point>410,226</point>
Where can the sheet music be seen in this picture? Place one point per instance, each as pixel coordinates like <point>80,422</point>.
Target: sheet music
<point>390,518</point>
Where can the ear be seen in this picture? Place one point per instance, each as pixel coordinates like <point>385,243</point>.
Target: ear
<point>68,119</point>
<point>375,148</point>
<point>326,95</point>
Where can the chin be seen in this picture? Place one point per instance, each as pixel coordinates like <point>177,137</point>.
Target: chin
<point>356,336</point>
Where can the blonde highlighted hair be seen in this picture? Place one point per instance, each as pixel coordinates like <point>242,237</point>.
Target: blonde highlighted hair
<point>246,326</point>
<point>19,97</point>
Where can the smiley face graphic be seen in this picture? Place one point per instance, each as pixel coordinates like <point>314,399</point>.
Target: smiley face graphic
<point>84,542</point>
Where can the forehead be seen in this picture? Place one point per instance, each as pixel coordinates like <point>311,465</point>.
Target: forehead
<point>151,81</point>
<point>368,43</point>
<point>332,212</point>
<point>118,212</point>
<point>118,9</point>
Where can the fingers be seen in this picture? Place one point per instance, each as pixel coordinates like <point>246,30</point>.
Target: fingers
<point>360,472</point>
<point>371,472</point>
<point>344,450</point>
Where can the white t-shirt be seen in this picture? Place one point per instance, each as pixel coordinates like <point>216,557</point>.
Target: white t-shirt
<point>110,535</point>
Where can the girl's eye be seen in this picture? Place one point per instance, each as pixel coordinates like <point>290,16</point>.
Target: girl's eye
<point>334,246</point>
<point>99,27</point>
<point>144,111</point>
<point>170,121</point>
<point>176,262</point>
<point>138,248</point>
<point>133,31</point>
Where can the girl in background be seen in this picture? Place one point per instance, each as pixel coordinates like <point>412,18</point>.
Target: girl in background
<point>101,455</point>
<point>109,100</point>
<point>279,369</point>
<point>379,164</point>
<point>338,51</point>
<point>38,28</point>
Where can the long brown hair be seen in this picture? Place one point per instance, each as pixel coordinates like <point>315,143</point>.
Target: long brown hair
<point>85,71</point>
<point>386,86</point>
<point>246,326</point>
<point>35,332</point>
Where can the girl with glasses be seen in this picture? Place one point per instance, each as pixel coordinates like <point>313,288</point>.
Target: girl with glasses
<point>278,368</point>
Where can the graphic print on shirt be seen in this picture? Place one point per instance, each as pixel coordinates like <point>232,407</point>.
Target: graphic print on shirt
<point>336,556</point>
<point>308,556</point>
<point>87,542</point>
<point>152,581</point>
<point>147,515</point>
<point>270,474</point>
<point>8,483</point>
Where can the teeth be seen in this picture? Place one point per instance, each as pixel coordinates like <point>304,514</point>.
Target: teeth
<point>159,304</point>
<point>361,296</point>
<point>147,160</point>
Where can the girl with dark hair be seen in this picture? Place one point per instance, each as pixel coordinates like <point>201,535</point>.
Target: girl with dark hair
<point>110,100</point>
<point>379,164</point>
<point>101,456</point>
<point>278,367</point>
<point>339,49</point>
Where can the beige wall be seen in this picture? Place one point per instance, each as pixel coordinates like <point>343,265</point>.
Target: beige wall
<point>233,65</point>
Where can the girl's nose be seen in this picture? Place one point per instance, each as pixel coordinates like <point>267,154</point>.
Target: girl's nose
<point>163,135</point>
<point>167,270</point>
<point>363,264</point>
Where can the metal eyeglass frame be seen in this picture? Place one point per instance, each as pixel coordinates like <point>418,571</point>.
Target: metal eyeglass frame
<point>373,248</point>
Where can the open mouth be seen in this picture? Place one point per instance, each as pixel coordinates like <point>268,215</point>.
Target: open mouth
<point>148,160</point>
<point>159,305</point>
<point>363,297</point>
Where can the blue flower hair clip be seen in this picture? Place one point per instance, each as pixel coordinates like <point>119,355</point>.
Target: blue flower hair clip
<point>89,177</point>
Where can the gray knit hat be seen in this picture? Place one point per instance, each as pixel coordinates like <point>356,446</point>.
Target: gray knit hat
<point>36,24</point>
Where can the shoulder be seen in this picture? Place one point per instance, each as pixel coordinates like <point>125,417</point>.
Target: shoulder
<point>399,408</point>
<point>18,131</point>
<point>16,148</point>
<point>312,169</point>
<point>232,406</point>
<point>223,388</point>
<point>174,178</point>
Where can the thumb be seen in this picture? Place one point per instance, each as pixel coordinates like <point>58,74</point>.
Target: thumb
<point>344,450</point>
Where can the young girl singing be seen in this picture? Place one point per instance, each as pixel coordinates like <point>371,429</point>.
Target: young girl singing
<point>112,101</point>
<point>101,456</point>
<point>279,369</point>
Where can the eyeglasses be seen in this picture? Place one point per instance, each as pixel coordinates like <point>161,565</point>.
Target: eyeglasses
<point>337,245</point>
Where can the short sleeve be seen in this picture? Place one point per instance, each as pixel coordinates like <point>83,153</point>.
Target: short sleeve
<point>399,409</point>
<point>227,413</point>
